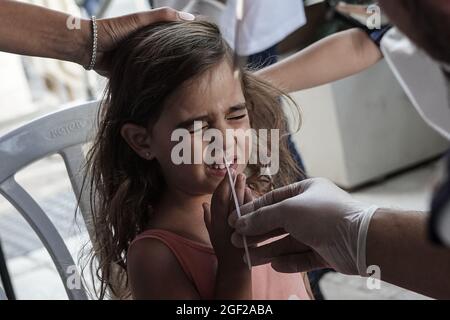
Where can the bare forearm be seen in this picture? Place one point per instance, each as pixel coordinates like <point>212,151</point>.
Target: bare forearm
<point>397,242</point>
<point>233,282</point>
<point>333,58</point>
<point>36,31</point>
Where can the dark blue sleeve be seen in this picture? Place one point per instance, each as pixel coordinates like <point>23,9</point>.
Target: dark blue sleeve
<point>377,34</point>
<point>440,205</point>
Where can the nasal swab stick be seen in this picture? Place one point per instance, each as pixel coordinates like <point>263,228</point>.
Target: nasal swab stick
<point>239,18</point>
<point>238,211</point>
<point>240,10</point>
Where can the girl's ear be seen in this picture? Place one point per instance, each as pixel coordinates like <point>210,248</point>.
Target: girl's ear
<point>138,138</point>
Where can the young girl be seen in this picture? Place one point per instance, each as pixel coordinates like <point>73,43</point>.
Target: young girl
<point>155,235</point>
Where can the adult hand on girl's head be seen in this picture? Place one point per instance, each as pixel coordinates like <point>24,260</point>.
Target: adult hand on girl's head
<point>114,30</point>
<point>216,219</point>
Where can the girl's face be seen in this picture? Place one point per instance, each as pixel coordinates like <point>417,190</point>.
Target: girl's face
<point>214,101</point>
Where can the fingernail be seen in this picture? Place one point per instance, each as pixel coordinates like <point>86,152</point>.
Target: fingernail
<point>186,16</point>
<point>242,177</point>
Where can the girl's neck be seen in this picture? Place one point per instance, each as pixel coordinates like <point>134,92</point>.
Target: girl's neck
<point>182,214</point>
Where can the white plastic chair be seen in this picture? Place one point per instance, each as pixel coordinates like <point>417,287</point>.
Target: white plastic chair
<point>2,294</point>
<point>63,132</point>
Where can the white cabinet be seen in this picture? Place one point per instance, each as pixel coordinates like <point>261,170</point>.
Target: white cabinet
<point>363,128</point>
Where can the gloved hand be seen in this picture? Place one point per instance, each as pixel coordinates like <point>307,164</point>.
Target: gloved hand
<point>326,228</point>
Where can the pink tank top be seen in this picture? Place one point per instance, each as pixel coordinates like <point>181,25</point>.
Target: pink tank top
<point>200,264</point>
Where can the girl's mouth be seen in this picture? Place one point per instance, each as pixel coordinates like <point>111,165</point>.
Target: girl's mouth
<point>220,170</point>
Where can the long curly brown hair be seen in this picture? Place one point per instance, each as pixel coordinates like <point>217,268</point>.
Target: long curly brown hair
<point>147,68</point>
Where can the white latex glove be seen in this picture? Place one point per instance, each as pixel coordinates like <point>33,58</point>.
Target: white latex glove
<point>326,228</point>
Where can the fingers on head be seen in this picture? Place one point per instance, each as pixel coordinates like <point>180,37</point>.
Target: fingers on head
<point>153,16</point>
<point>166,14</point>
<point>162,14</point>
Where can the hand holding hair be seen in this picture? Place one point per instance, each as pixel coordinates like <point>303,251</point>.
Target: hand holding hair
<point>37,31</point>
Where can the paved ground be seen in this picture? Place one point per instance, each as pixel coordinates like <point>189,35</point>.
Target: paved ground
<point>34,276</point>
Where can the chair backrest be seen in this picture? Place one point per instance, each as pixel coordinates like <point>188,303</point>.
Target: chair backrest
<point>2,294</point>
<point>63,132</point>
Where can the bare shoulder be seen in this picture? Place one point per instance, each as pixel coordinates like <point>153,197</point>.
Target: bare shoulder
<point>151,266</point>
<point>148,251</point>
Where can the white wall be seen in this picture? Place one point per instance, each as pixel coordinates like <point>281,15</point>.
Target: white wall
<point>15,97</point>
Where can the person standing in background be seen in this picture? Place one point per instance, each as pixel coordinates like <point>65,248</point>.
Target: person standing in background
<point>265,24</point>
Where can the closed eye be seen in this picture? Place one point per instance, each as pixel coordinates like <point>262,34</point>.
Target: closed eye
<point>238,117</point>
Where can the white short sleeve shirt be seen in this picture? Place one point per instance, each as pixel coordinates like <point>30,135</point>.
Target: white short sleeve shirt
<point>266,22</point>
